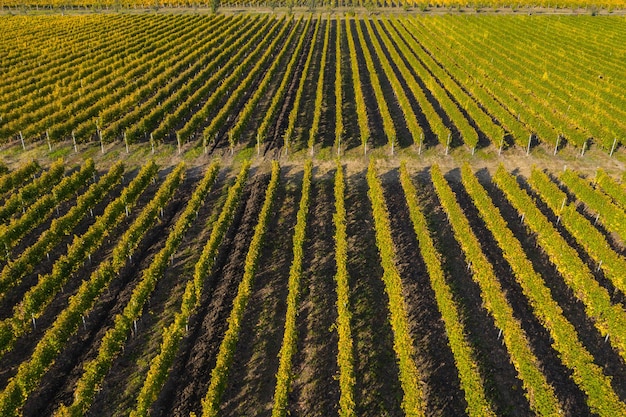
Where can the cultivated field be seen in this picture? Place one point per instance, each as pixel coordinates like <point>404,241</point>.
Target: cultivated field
<point>217,82</point>
<point>273,214</point>
<point>335,289</point>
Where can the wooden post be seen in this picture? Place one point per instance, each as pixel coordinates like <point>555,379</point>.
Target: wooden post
<point>74,141</point>
<point>448,143</point>
<point>178,141</point>
<point>152,143</point>
<point>582,153</point>
<point>48,140</point>
<point>126,142</point>
<point>22,139</point>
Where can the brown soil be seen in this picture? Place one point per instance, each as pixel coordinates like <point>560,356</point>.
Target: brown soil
<point>25,345</point>
<point>616,295</point>
<point>351,137</point>
<point>129,370</point>
<point>502,386</point>
<point>429,137</point>
<point>275,138</point>
<point>441,385</point>
<point>377,390</point>
<point>190,376</point>
<point>58,384</point>
<point>315,390</point>
<point>328,120</point>
<point>44,266</point>
<point>403,136</point>
<point>251,381</point>
<point>374,119</point>
<point>557,374</point>
<point>604,355</point>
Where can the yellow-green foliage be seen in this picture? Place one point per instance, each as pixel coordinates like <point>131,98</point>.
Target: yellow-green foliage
<point>600,395</point>
<point>160,364</point>
<point>288,348</point>
<point>345,357</point>
<point>413,402</point>
<point>464,357</point>
<point>608,318</point>
<point>219,374</point>
<point>538,391</point>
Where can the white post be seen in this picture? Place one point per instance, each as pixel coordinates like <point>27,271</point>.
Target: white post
<point>556,147</point>
<point>152,143</point>
<point>100,136</point>
<point>612,147</point>
<point>178,142</point>
<point>419,150</point>
<point>582,153</point>
<point>126,142</point>
<point>530,138</point>
<point>22,139</point>
<point>448,143</point>
<point>74,141</point>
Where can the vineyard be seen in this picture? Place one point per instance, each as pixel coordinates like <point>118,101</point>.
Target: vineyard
<point>311,290</point>
<point>297,214</point>
<point>283,84</point>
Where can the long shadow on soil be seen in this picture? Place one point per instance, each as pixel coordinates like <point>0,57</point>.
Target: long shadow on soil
<point>44,266</point>
<point>573,309</point>
<point>25,345</point>
<point>435,361</point>
<point>130,368</point>
<point>557,374</point>
<point>251,382</point>
<point>502,387</point>
<point>403,138</point>
<point>58,383</point>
